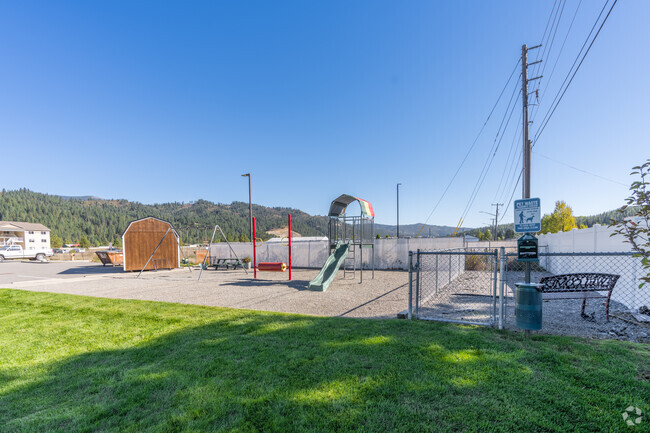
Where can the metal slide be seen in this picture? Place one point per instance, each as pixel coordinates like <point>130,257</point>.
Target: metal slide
<point>330,268</point>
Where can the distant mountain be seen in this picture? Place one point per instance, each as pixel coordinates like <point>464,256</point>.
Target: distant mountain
<point>412,230</point>
<point>602,218</point>
<point>78,197</point>
<point>102,221</point>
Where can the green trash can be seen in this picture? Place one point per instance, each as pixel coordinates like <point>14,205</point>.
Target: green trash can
<point>528,306</point>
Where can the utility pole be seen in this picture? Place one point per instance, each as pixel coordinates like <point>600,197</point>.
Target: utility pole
<point>496,220</point>
<point>526,143</point>
<point>398,210</point>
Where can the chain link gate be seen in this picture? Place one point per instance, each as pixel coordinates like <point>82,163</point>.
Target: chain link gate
<point>477,286</point>
<point>458,286</point>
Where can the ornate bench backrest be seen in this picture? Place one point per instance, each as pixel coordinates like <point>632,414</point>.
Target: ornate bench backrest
<point>579,282</point>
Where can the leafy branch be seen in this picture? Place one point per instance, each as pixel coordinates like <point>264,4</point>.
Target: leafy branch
<point>636,228</point>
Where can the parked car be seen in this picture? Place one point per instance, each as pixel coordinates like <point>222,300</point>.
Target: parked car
<point>17,252</point>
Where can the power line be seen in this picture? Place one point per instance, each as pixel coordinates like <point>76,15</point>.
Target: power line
<point>521,172</point>
<point>471,147</point>
<point>488,163</point>
<point>579,169</point>
<point>510,161</point>
<point>547,118</point>
<point>547,54</point>
<point>550,77</point>
<point>578,56</point>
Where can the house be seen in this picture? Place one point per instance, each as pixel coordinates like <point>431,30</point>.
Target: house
<point>31,236</point>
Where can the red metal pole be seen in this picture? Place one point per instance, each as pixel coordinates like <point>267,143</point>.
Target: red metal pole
<point>289,247</point>
<point>254,251</point>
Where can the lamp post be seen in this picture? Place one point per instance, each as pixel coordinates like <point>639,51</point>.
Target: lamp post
<point>494,236</point>
<point>250,209</point>
<point>398,210</point>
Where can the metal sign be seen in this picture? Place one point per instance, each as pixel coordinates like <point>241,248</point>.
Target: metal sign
<point>527,248</point>
<point>528,215</point>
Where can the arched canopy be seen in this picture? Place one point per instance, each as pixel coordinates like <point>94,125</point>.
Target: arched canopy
<point>338,206</point>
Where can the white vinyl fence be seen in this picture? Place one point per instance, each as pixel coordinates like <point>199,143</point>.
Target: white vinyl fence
<point>598,239</point>
<point>312,253</point>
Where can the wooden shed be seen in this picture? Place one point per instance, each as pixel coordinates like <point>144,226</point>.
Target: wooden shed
<point>140,240</point>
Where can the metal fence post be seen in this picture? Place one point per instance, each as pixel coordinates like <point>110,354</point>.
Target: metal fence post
<point>449,269</point>
<point>493,263</point>
<point>410,311</point>
<point>502,280</point>
<point>417,284</point>
<point>436,274</point>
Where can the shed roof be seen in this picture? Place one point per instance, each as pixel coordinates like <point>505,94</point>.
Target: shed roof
<point>19,225</point>
<point>338,206</point>
<point>155,219</point>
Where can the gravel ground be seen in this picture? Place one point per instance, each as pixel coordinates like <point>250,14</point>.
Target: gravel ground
<point>382,297</point>
<point>468,298</point>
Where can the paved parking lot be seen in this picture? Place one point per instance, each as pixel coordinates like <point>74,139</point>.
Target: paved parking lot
<point>381,297</point>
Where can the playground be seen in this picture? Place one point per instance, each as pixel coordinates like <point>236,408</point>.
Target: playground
<point>382,297</point>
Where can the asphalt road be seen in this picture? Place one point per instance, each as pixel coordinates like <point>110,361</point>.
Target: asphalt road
<point>12,271</point>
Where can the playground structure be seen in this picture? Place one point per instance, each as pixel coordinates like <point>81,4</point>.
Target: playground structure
<point>348,236</point>
<point>271,266</point>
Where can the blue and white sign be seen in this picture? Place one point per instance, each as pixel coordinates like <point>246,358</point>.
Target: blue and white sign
<point>528,215</point>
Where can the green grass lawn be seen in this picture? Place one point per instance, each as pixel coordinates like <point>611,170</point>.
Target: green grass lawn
<point>71,363</point>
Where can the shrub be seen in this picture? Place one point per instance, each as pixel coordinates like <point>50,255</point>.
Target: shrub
<point>475,263</point>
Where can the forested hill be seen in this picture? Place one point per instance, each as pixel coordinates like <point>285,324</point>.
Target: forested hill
<point>102,221</point>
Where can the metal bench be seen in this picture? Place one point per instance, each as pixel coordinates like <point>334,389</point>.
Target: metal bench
<point>579,286</point>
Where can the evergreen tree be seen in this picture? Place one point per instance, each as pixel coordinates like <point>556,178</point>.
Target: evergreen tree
<point>55,241</point>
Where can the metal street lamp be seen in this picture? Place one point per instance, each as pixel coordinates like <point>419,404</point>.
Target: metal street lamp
<point>398,210</point>
<point>250,209</point>
<point>494,215</point>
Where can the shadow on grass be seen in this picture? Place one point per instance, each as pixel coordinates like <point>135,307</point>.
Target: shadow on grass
<point>266,372</point>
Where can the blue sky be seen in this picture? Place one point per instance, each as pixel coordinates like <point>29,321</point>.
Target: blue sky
<point>173,101</point>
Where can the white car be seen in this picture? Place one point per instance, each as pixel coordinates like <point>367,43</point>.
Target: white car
<point>17,252</point>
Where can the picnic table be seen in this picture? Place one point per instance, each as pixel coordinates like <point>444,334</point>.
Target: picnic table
<point>226,263</point>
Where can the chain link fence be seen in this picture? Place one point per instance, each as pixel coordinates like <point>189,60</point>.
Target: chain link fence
<point>456,285</point>
<point>477,286</point>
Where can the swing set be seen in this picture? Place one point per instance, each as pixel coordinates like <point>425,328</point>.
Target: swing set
<point>185,260</point>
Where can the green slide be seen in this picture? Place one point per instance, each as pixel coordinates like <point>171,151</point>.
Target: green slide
<point>330,268</point>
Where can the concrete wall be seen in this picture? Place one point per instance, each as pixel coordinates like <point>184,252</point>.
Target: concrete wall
<point>598,239</point>
<point>389,253</point>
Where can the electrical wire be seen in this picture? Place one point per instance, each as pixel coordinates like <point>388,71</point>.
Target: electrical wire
<point>505,211</point>
<point>510,161</point>
<point>579,169</point>
<point>551,111</point>
<point>471,147</point>
<point>547,53</point>
<point>559,55</point>
<point>488,162</point>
